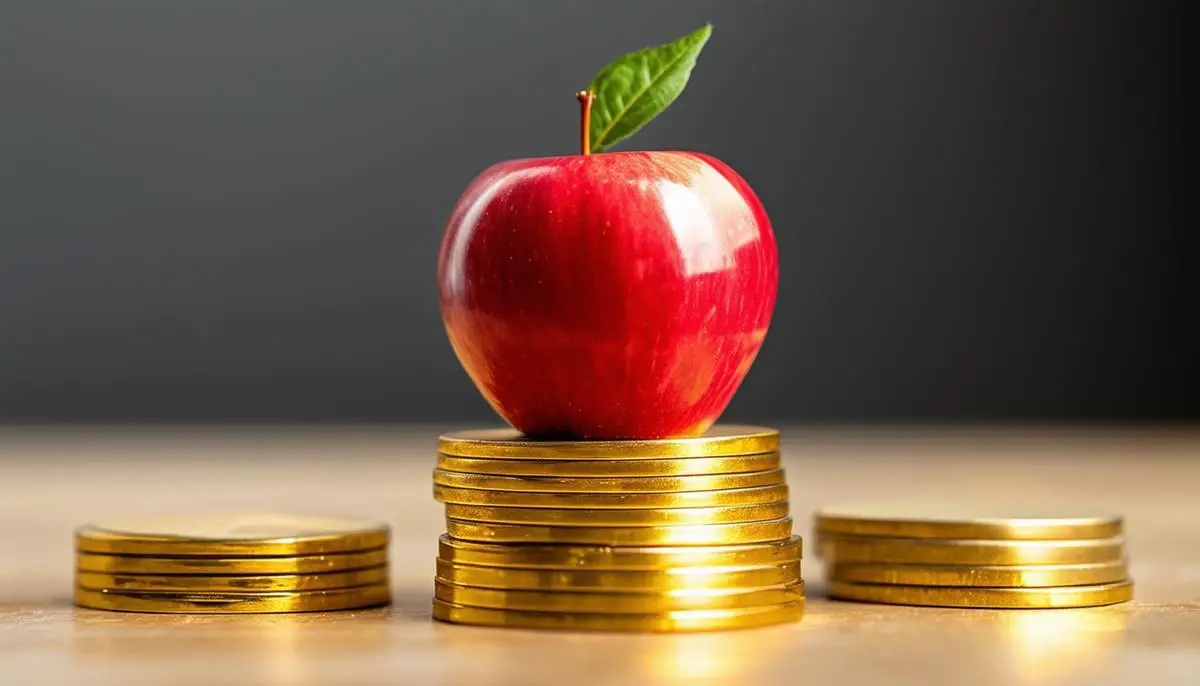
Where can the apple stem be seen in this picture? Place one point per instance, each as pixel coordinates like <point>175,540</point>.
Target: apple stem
<point>585,98</point>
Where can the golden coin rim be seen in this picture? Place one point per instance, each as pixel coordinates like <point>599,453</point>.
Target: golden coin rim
<point>102,537</point>
<point>603,485</point>
<point>840,549</point>
<point>675,622</point>
<point>733,497</point>
<point>307,564</point>
<point>232,584</point>
<point>691,466</point>
<point>584,602</point>
<point>720,441</point>
<point>699,534</point>
<point>986,598</point>
<point>617,581</point>
<point>617,518</point>
<point>537,556</point>
<point>830,520</point>
<point>224,603</point>
<point>997,576</point>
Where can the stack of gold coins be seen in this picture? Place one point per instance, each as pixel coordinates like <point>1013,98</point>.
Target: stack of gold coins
<point>245,562</point>
<point>914,556</point>
<point>686,534</point>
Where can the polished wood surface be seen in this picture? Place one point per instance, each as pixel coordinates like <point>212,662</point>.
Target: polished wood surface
<point>54,479</point>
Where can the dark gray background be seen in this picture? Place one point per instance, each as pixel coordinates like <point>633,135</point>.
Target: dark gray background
<point>231,210</point>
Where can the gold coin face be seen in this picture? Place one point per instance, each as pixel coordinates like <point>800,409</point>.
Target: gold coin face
<point>704,534</point>
<point>225,603</point>
<point>1027,576</point>
<point>604,558</point>
<point>678,621</point>
<point>618,603</point>
<point>182,583</point>
<point>720,441</point>
<point>996,598</point>
<point>691,466</point>
<point>847,549</point>
<point>632,518</point>
<point>926,521</point>
<point>208,566</point>
<point>600,485</point>
<point>614,501</point>
<point>251,534</point>
<point>677,579</point>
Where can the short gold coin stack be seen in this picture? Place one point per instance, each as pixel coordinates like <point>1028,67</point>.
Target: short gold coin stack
<point>246,562</point>
<point>910,556</point>
<point>687,534</point>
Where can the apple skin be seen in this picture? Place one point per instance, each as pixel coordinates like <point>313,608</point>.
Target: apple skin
<point>618,295</point>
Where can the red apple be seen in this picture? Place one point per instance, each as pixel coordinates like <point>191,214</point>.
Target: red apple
<point>616,295</point>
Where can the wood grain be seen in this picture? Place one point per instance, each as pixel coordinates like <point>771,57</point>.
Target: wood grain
<point>54,479</point>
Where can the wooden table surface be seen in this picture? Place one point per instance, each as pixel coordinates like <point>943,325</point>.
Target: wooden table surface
<point>53,479</point>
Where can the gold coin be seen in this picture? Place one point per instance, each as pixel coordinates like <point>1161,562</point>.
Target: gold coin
<point>179,583</point>
<point>924,521</point>
<point>617,603</point>
<point>309,564</point>
<point>224,603</point>
<point>682,620</point>
<point>1028,576</point>
<point>700,534</point>
<point>679,578</point>
<point>631,485</point>
<point>688,466</point>
<point>720,441</point>
<point>996,598</point>
<point>843,549</point>
<point>596,558</point>
<point>594,518</point>
<point>623,501</point>
<point>250,534</point>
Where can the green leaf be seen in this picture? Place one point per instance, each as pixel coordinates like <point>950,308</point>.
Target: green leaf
<point>635,88</point>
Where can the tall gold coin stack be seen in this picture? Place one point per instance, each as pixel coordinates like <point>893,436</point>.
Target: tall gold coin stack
<point>246,562</point>
<point>687,534</point>
<point>916,557</point>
